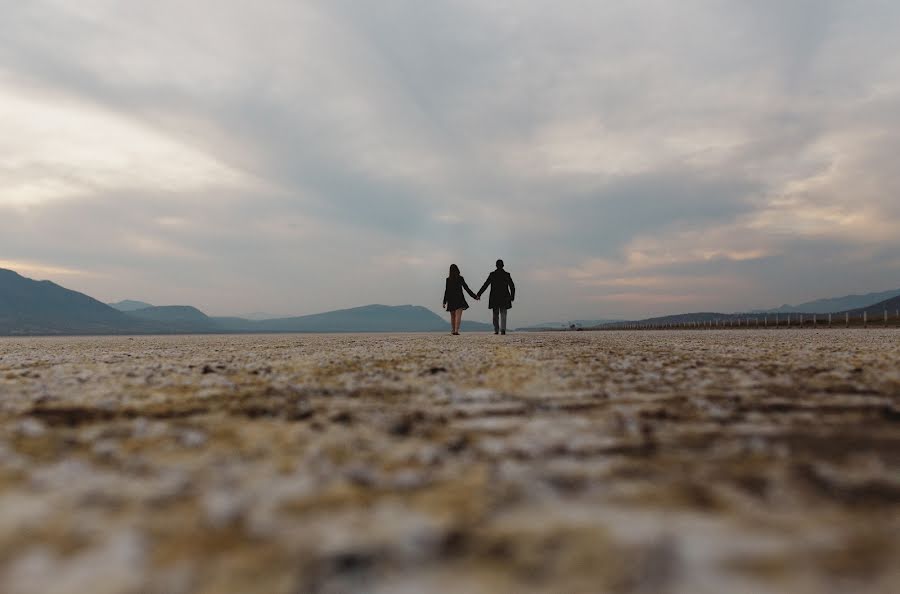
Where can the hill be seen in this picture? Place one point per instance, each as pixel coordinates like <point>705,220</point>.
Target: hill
<point>837,304</point>
<point>29,307</point>
<point>43,307</point>
<point>129,305</point>
<point>892,306</point>
<point>368,318</point>
<point>176,318</point>
<point>874,312</point>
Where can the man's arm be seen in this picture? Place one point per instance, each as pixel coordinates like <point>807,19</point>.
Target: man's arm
<point>512,287</point>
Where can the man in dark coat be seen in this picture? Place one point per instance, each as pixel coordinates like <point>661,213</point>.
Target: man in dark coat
<point>503,293</point>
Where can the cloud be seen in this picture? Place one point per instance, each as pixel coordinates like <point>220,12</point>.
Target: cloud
<point>293,156</point>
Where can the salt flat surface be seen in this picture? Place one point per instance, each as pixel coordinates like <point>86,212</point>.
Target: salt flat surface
<point>655,462</point>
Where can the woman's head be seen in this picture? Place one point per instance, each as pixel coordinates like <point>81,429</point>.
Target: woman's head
<point>454,271</point>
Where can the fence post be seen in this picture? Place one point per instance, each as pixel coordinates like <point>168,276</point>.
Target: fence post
<point>865,319</point>
<point>829,320</point>
<point>847,319</point>
<point>885,317</point>
<point>814,320</point>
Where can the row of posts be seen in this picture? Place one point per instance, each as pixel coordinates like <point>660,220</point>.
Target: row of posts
<point>826,320</point>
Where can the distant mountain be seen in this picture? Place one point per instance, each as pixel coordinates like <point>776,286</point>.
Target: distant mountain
<point>892,306</point>
<point>42,307</point>
<point>875,312</point>
<point>837,304</point>
<point>177,318</point>
<point>29,307</point>
<point>129,305</point>
<point>369,318</point>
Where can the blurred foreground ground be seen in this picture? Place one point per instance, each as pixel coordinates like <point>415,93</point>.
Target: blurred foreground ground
<point>671,462</point>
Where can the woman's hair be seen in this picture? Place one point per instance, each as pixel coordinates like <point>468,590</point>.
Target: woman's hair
<point>454,271</point>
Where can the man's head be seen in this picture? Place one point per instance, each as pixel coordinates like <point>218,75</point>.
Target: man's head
<point>500,264</point>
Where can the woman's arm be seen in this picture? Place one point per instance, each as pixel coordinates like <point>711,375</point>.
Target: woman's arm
<point>468,290</point>
<point>446,290</point>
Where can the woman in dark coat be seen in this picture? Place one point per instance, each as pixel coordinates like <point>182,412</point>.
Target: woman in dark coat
<point>454,300</point>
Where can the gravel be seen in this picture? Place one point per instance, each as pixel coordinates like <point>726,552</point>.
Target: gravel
<point>624,462</point>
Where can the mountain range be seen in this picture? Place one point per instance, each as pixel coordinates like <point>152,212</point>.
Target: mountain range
<point>836,304</point>
<point>29,307</point>
<point>874,312</point>
<point>129,305</point>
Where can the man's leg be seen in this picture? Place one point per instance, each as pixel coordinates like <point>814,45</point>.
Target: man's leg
<point>503,320</point>
<point>496,320</point>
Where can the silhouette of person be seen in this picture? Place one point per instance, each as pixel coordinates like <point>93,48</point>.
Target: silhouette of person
<point>503,293</point>
<point>454,300</point>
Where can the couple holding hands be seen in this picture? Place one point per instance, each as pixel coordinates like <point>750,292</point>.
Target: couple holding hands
<point>503,292</point>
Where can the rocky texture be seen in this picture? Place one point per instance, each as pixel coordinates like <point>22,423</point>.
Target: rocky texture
<point>676,462</point>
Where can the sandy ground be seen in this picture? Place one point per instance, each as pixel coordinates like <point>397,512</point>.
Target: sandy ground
<point>656,462</point>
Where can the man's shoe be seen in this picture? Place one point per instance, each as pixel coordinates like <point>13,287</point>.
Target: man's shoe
<point>503,332</point>
<point>496,332</point>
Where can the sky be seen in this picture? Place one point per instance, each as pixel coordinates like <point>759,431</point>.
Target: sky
<point>625,159</point>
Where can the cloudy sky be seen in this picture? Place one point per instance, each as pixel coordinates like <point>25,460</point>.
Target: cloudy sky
<point>624,158</point>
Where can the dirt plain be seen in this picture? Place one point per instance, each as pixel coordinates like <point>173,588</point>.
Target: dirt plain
<point>686,462</point>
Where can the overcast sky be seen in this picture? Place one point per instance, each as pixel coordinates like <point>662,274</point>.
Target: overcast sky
<point>624,158</point>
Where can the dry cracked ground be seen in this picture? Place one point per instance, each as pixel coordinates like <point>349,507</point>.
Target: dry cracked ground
<point>655,462</point>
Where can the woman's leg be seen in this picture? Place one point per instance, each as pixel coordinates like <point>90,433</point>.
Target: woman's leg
<point>454,317</point>
<point>458,319</point>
